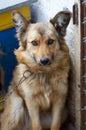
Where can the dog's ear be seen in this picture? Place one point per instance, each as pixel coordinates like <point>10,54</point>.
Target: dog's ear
<point>60,21</point>
<point>21,24</point>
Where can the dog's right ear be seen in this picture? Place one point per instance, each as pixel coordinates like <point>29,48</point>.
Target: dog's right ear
<point>60,21</point>
<point>21,24</point>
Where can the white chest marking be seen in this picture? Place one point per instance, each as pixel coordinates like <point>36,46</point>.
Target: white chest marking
<point>47,97</point>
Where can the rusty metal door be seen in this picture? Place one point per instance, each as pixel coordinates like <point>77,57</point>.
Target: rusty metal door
<point>83,64</point>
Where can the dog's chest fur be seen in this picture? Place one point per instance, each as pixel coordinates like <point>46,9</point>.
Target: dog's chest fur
<point>43,88</point>
<point>38,88</point>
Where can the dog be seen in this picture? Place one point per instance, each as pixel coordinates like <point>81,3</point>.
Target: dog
<point>38,102</point>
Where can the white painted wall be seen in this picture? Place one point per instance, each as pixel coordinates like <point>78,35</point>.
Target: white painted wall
<point>8,3</point>
<point>45,9</point>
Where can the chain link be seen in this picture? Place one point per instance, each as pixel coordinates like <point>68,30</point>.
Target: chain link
<point>25,76</point>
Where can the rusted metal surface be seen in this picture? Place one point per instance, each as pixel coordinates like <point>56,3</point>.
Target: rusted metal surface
<point>75,14</point>
<point>83,64</point>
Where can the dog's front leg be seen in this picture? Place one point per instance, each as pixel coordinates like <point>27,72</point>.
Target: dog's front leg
<point>33,110</point>
<point>57,113</point>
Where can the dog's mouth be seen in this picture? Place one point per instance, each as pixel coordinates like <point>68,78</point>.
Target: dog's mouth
<point>44,64</point>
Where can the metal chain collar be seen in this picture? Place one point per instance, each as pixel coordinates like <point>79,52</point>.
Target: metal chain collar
<point>25,76</point>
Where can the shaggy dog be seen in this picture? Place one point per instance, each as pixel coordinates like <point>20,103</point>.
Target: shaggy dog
<point>38,91</point>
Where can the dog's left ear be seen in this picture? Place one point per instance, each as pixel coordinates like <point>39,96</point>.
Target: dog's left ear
<point>21,24</point>
<point>61,21</point>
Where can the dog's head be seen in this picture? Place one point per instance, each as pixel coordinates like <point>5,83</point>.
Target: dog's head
<point>42,45</point>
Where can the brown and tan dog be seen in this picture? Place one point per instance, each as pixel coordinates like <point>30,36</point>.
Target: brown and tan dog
<point>43,56</point>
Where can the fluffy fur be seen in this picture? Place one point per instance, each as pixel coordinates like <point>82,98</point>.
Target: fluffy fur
<point>39,102</point>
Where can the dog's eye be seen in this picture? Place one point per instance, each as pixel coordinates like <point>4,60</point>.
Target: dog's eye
<point>34,43</point>
<point>50,41</point>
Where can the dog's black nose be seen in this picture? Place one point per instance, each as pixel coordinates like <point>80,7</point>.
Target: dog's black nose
<point>44,61</point>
